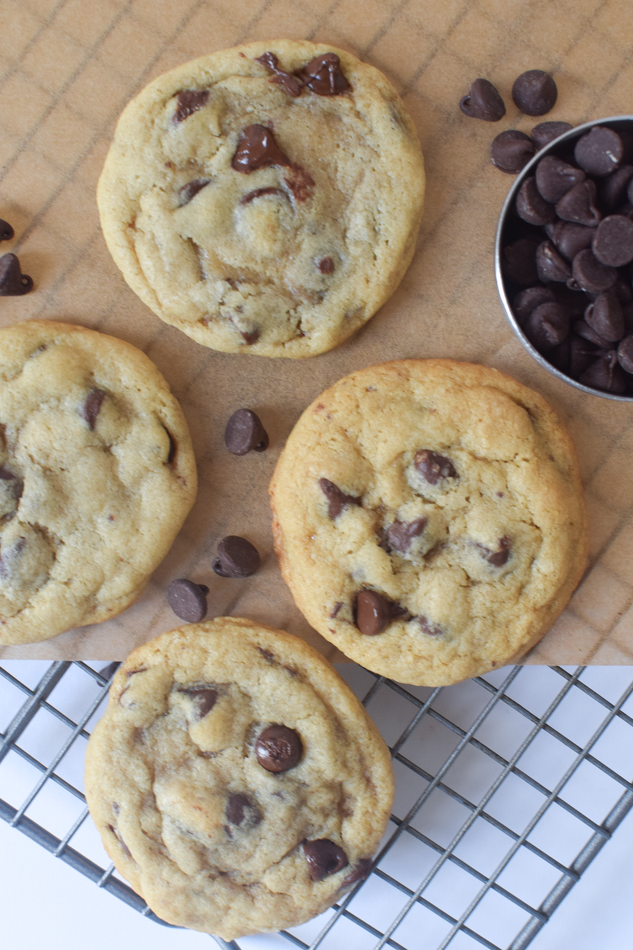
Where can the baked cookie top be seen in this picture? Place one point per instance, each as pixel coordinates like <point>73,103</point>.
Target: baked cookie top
<point>97,475</point>
<point>237,782</point>
<point>429,518</point>
<point>264,199</point>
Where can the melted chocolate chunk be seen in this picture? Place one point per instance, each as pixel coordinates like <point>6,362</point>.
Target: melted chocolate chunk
<point>92,405</point>
<point>191,189</point>
<point>204,698</point>
<point>360,872</point>
<point>278,748</point>
<point>237,557</point>
<point>13,283</point>
<point>337,499</point>
<point>270,657</point>
<point>534,92</point>
<point>428,628</point>
<point>326,265</point>
<point>257,149</point>
<point>188,600</point>
<point>290,84</point>
<point>6,231</point>
<point>302,183</point>
<point>260,192</point>
<point>323,858</point>
<point>500,557</point>
<point>483,102</point>
<point>400,534</point>
<point>189,101</point>
<point>432,466</point>
<point>250,336</point>
<point>240,807</point>
<point>324,76</point>
<point>17,485</point>
<point>372,612</point>
<point>245,433</point>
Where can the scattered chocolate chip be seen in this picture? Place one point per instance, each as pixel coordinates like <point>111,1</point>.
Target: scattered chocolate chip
<point>257,149</point>
<point>259,193</point>
<point>290,84</point>
<point>428,628</point>
<point>244,432</point>
<point>432,466</point>
<point>326,265</point>
<point>530,298</point>
<point>483,102</point>
<point>600,151</point>
<point>337,499</point>
<point>204,698</point>
<point>189,101</point>
<point>511,151</point>
<point>550,265</point>
<point>500,557</point>
<point>188,600</point>
<point>531,206</point>
<point>360,872</point>
<point>605,316</point>
<point>589,274</point>
<point>547,326</point>
<point>323,858</point>
<point>554,178</point>
<point>372,612</point>
<point>605,373</point>
<point>400,534</point>
<point>613,241</point>
<point>6,231</point>
<point>191,189</point>
<point>545,132</point>
<point>324,76</point>
<point>92,406</point>
<point>278,748</point>
<point>578,205</point>
<point>13,283</point>
<point>519,261</point>
<point>240,807</point>
<point>237,557</point>
<point>534,92</point>
<point>612,189</point>
<point>625,353</point>
<point>569,238</point>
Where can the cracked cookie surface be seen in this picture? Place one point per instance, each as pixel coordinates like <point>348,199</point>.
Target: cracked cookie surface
<point>96,477</point>
<point>429,518</point>
<point>266,198</point>
<point>237,782</point>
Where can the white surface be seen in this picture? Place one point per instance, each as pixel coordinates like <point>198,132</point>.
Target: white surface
<point>45,903</point>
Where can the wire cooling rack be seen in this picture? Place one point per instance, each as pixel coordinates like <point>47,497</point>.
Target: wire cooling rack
<point>507,786</point>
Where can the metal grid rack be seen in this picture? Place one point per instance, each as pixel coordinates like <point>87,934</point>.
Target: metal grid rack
<point>485,840</point>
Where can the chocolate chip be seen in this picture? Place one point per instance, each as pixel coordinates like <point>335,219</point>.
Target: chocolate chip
<point>204,698</point>
<point>581,355</point>
<point>6,231</point>
<point>323,858</point>
<point>360,872</point>
<point>599,152</point>
<point>527,300</point>
<point>244,432</point>
<point>613,241</point>
<point>188,600</point>
<point>324,76</point>
<point>569,238</point>
<point>257,149</point>
<point>554,178</point>
<point>290,84</point>
<point>173,447</point>
<point>613,188</point>
<point>605,373</point>
<point>259,192</point>
<point>301,185</point>
<point>579,205</point>
<point>550,265</point>
<point>237,557</point>
<point>17,485</point>
<point>582,328</point>
<point>372,612</point>
<point>337,499</point>
<point>625,353</point>
<point>545,132</point>
<point>623,290</point>
<point>13,283</point>
<point>534,92</point>
<point>117,835</point>
<point>400,534</point>
<point>589,274</point>
<point>511,151</point>
<point>240,807</point>
<point>500,557</point>
<point>605,316</point>
<point>278,748</point>
<point>547,326</point>
<point>531,206</point>
<point>519,261</point>
<point>483,102</point>
<point>250,336</point>
<point>428,628</point>
<point>326,265</point>
<point>189,101</point>
<point>338,606</point>
<point>432,466</point>
<point>92,406</point>
<point>191,189</point>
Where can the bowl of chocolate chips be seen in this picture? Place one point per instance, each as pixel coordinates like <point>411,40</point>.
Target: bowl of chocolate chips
<point>564,257</point>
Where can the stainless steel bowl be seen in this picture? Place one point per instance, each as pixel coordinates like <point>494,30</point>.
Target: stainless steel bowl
<point>617,123</point>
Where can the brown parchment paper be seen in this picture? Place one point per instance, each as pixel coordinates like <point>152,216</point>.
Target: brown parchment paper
<point>67,69</point>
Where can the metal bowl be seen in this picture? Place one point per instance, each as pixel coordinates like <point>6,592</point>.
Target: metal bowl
<point>506,222</point>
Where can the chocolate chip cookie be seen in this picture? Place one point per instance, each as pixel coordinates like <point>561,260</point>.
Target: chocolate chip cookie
<point>96,477</point>
<point>429,518</point>
<point>264,199</point>
<point>237,782</point>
